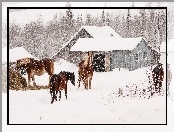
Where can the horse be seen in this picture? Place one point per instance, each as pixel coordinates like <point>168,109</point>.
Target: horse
<point>58,82</point>
<point>158,76</point>
<point>85,71</point>
<point>35,67</point>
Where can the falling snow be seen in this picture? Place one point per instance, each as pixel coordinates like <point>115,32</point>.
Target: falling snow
<point>122,90</point>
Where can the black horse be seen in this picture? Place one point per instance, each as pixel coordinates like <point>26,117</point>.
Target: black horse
<point>158,76</point>
<point>58,82</point>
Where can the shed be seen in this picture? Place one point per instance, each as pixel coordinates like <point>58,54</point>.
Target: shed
<point>84,32</point>
<point>111,53</point>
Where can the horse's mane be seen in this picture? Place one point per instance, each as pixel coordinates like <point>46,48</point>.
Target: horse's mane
<point>66,73</point>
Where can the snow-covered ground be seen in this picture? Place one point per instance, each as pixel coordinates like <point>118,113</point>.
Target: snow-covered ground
<point>100,105</point>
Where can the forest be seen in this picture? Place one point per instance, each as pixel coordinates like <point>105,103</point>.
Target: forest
<point>42,40</point>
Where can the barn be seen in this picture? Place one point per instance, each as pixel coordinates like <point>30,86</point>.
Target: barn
<point>84,32</point>
<point>111,53</point>
<point>110,49</point>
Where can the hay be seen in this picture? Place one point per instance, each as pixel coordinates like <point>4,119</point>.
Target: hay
<point>16,81</point>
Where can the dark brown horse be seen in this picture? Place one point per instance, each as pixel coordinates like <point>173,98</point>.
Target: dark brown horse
<point>86,71</point>
<point>158,76</point>
<point>58,82</point>
<point>35,67</point>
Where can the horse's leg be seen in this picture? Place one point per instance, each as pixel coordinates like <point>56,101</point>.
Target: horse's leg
<point>33,79</point>
<point>160,85</point>
<point>29,80</point>
<point>49,82</point>
<point>79,80</point>
<point>90,79</point>
<point>86,83</point>
<point>56,95</point>
<point>52,96</point>
<point>59,95</point>
<point>66,91</point>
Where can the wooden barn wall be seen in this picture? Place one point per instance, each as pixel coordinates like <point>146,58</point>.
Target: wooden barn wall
<point>120,59</point>
<point>127,59</point>
<point>144,56</point>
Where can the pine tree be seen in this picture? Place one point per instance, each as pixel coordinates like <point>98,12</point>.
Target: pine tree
<point>69,17</point>
<point>143,21</point>
<point>123,26</point>
<point>88,21</point>
<point>107,23</point>
<point>128,19</point>
<point>103,18</point>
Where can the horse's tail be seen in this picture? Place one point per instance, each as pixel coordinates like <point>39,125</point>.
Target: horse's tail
<point>52,68</point>
<point>162,74</point>
<point>52,83</point>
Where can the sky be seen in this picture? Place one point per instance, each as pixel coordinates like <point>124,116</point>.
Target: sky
<point>26,15</point>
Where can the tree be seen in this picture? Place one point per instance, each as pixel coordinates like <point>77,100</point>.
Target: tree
<point>15,35</point>
<point>88,21</point>
<point>69,16</point>
<point>123,26</point>
<point>128,25</point>
<point>103,18</point>
<point>107,23</point>
<point>143,20</point>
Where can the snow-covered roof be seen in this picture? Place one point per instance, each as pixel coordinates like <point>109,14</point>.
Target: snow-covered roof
<point>18,53</point>
<point>96,32</point>
<point>105,44</point>
<point>101,32</point>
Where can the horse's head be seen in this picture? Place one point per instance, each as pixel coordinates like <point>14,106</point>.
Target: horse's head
<point>21,65</point>
<point>72,78</point>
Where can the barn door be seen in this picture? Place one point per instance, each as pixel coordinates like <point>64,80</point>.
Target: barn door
<point>99,62</point>
<point>107,61</point>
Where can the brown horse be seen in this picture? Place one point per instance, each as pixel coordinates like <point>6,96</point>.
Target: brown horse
<point>58,82</point>
<point>86,71</point>
<point>158,76</point>
<point>35,67</point>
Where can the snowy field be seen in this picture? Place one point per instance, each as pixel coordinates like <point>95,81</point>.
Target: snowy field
<point>100,105</point>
